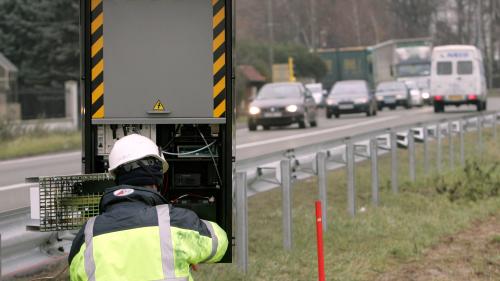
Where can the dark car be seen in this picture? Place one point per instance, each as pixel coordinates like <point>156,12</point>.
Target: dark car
<point>282,104</point>
<point>353,96</point>
<point>392,94</point>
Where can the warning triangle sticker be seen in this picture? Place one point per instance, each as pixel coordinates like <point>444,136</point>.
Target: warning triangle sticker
<point>159,106</point>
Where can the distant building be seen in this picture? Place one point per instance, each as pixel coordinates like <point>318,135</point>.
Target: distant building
<point>9,106</point>
<point>249,81</point>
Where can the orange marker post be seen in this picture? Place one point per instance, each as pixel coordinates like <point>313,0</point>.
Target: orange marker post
<point>319,236</point>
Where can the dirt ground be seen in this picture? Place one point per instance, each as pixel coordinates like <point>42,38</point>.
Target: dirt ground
<point>471,255</point>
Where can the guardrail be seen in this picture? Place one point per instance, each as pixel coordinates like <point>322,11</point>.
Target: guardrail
<point>263,172</point>
<point>22,248</point>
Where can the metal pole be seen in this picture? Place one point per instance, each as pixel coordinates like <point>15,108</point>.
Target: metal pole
<point>394,162</point>
<point>322,185</point>
<point>479,135</point>
<point>374,160</point>
<point>411,156</point>
<point>426,151</point>
<point>242,221</point>
<point>439,154</point>
<point>270,27</point>
<point>462,143</point>
<point>286,182</point>
<point>451,147</point>
<point>495,129</point>
<point>351,185</point>
<point>314,28</point>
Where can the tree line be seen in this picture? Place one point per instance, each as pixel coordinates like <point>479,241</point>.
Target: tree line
<point>42,37</point>
<point>344,23</point>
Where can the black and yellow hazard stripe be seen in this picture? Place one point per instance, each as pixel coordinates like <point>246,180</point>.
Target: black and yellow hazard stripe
<point>97,57</point>
<point>219,53</point>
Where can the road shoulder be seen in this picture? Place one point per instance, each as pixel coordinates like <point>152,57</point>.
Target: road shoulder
<point>472,254</point>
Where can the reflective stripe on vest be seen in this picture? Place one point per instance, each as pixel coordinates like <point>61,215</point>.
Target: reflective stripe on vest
<point>89,250</point>
<point>215,240</point>
<point>167,250</point>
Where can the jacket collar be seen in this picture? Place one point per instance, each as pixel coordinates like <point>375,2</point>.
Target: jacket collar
<point>128,193</point>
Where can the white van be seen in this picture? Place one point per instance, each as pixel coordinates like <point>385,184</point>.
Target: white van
<point>457,77</point>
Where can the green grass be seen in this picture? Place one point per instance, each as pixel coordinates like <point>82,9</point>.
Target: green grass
<point>494,92</point>
<point>374,241</point>
<point>35,144</point>
<point>496,239</point>
<point>241,119</point>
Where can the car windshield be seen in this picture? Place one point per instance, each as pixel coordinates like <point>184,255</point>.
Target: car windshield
<point>390,87</point>
<point>349,89</point>
<point>411,70</point>
<point>279,92</point>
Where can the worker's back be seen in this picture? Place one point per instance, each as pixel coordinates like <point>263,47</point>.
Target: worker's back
<point>139,237</point>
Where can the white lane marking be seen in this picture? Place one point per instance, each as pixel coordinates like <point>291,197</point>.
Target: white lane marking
<point>40,158</point>
<point>321,132</point>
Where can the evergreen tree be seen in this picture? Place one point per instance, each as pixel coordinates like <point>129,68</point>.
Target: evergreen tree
<point>41,38</point>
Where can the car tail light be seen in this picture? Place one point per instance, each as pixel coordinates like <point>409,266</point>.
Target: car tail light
<point>438,98</point>
<point>472,97</point>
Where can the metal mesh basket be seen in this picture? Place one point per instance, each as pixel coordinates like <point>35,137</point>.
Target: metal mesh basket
<point>66,202</point>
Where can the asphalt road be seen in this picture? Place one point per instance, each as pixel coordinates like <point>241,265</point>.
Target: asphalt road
<point>250,144</point>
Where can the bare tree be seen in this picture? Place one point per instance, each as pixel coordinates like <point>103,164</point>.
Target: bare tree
<point>413,18</point>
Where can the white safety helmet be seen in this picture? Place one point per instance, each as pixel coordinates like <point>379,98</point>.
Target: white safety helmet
<point>132,148</point>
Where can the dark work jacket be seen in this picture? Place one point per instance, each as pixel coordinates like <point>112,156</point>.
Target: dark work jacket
<point>138,236</point>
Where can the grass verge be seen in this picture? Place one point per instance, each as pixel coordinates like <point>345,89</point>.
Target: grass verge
<point>377,240</point>
<point>494,92</point>
<point>36,144</point>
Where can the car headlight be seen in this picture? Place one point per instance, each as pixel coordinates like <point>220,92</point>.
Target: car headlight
<point>426,95</point>
<point>361,100</point>
<point>415,92</point>
<point>331,101</point>
<point>379,98</point>
<point>254,110</point>
<point>399,97</point>
<point>292,108</point>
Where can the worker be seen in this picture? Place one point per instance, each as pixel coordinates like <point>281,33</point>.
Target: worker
<point>138,235</point>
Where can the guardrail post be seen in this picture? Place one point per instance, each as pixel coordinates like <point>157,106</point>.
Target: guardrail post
<point>439,153</point>
<point>351,185</point>
<point>462,142</point>
<point>451,146</point>
<point>322,184</point>
<point>479,124</point>
<point>286,184</point>
<point>426,151</point>
<point>394,162</point>
<point>374,164</point>
<point>495,129</point>
<point>411,156</point>
<point>242,221</point>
